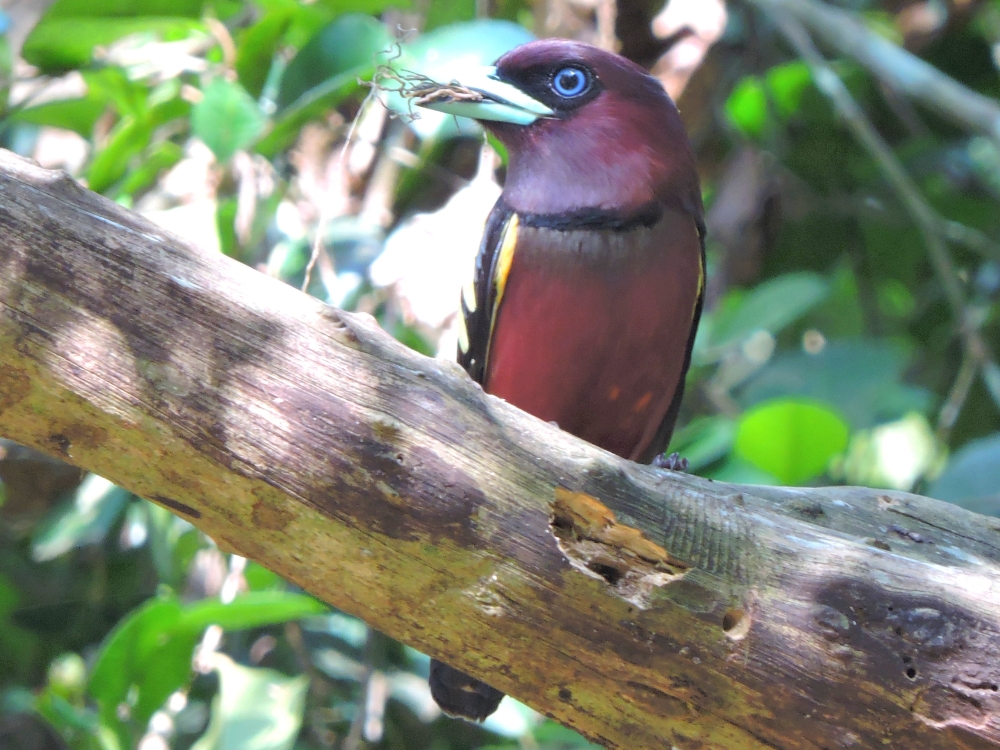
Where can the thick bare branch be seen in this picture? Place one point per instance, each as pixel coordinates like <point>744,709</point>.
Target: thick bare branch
<point>645,609</point>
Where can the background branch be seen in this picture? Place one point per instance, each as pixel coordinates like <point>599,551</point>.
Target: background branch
<point>896,66</point>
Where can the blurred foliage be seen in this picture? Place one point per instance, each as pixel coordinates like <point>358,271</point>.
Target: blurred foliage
<point>827,352</point>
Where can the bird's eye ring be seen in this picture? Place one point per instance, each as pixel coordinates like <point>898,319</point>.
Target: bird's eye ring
<point>570,82</point>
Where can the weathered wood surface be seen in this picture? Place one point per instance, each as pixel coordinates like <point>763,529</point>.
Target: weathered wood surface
<point>390,486</point>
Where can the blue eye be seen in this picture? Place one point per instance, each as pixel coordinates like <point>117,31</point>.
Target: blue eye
<point>570,82</point>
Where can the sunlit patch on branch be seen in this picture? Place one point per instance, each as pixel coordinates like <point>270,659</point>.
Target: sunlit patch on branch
<point>597,545</point>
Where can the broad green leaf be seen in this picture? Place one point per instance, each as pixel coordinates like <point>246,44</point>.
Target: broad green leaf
<point>78,115</point>
<point>444,12</point>
<point>257,47</point>
<point>746,107</point>
<point>862,378</point>
<point>351,45</point>
<point>972,477</point>
<point>771,307</point>
<point>124,8</point>
<point>60,44</point>
<point>150,651</point>
<point>704,440</point>
<point>371,7</point>
<point>112,85</point>
<point>128,138</point>
<point>793,439</point>
<point>251,610</point>
<point>227,119</point>
<point>786,83</point>
<point>156,160</point>
<point>255,709</point>
<point>83,519</point>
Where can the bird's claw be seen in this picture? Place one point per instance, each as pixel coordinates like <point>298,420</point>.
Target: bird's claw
<point>673,462</point>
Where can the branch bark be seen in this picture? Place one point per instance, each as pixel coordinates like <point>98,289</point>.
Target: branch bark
<point>645,609</point>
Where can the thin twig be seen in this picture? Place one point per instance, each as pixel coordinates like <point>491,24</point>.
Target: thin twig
<point>931,225</point>
<point>956,397</point>
<point>317,246</point>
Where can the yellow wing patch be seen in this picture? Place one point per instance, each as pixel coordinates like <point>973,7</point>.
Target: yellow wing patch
<point>507,244</point>
<point>701,285</point>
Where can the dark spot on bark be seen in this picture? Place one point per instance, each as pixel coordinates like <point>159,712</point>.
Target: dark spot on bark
<point>15,385</point>
<point>609,573</point>
<point>90,437</point>
<point>176,506</point>
<point>922,631</point>
<point>565,695</point>
<point>736,623</point>
<point>270,516</point>
<point>832,625</point>
<point>662,704</point>
<point>698,599</point>
<point>808,509</point>
<point>60,443</point>
<point>683,742</point>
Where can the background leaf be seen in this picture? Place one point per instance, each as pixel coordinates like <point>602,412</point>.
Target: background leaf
<point>793,439</point>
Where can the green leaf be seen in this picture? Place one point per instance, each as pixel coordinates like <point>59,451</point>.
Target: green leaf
<point>60,44</point>
<point>746,107</point>
<point>324,73</point>
<point>972,477</point>
<point>78,115</point>
<point>786,83</point>
<point>349,46</point>
<point>255,709</point>
<point>704,441</point>
<point>444,12</point>
<point>257,47</point>
<point>793,439</point>
<point>251,610</point>
<point>771,307</point>
<point>157,159</point>
<point>862,378</point>
<point>227,119</point>
<point>150,651</point>
<point>124,8</point>
<point>371,7</point>
<point>128,138</point>
<point>84,519</point>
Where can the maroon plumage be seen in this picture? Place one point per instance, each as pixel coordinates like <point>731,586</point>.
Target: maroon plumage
<point>589,280</point>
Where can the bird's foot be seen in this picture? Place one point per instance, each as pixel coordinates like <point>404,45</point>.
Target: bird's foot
<point>673,462</point>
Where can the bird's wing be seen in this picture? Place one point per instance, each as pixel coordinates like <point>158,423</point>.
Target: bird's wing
<point>662,438</point>
<point>481,297</point>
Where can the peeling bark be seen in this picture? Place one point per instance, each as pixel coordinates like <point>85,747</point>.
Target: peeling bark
<point>644,608</point>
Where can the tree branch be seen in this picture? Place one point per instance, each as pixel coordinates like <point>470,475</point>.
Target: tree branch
<point>644,609</point>
<point>898,68</point>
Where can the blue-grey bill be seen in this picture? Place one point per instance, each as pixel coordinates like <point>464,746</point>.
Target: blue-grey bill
<point>501,103</point>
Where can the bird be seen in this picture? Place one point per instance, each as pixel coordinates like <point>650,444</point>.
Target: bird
<point>589,282</point>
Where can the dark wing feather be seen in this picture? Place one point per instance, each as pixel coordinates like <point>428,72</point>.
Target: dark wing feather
<point>662,438</point>
<point>478,322</point>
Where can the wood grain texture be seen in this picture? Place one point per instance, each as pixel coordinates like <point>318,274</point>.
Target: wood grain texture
<point>653,610</point>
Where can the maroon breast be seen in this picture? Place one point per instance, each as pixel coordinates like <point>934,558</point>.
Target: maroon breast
<point>593,326</point>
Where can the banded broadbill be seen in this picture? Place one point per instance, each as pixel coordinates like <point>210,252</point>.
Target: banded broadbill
<point>588,284</point>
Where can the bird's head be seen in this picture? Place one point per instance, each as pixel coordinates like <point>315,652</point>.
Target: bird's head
<point>584,129</point>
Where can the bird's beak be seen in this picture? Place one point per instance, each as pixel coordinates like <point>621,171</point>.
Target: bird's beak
<point>500,101</point>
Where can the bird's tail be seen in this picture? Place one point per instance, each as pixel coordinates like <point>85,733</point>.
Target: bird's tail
<point>461,695</point>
